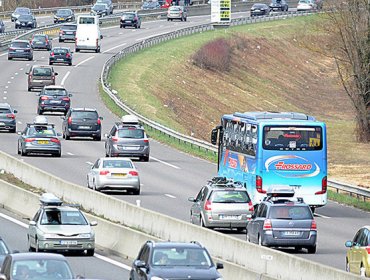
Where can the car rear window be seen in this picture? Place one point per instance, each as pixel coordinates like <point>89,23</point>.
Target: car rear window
<point>84,115</point>
<point>117,164</point>
<point>63,12</point>
<point>131,133</point>
<point>41,72</point>
<point>60,51</point>
<point>229,196</point>
<point>53,92</point>
<point>290,212</point>
<point>175,9</point>
<point>128,15</point>
<point>69,27</point>
<point>22,45</point>
<point>5,111</point>
<point>41,131</point>
<point>39,38</point>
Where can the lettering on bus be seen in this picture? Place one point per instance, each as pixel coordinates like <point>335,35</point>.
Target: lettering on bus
<point>292,166</point>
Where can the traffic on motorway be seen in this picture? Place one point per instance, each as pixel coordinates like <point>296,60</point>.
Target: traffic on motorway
<point>217,205</point>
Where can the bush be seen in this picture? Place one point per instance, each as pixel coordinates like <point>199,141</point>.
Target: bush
<point>215,55</point>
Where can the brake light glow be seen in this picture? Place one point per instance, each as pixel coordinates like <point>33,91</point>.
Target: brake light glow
<point>104,172</point>
<point>66,99</point>
<point>44,98</point>
<point>98,122</point>
<point>313,225</point>
<point>146,141</point>
<point>368,249</point>
<point>114,138</point>
<point>55,140</point>
<point>259,184</point>
<point>70,120</point>
<point>267,225</point>
<point>251,208</point>
<point>52,54</point>
<point>134,173</point>
<point>324,186</point>
<point>208,205</point>
<point>10,116</point>
<point>29,140</point>
<point>68,55</point>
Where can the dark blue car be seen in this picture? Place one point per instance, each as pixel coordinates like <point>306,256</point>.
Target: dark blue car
<point>20,49</point>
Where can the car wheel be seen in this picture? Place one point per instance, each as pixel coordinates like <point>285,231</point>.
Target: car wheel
<point>9,58</point>
<point>58,154</point>
<point>23,153</point>
<point>247,237</point>
<point>202,222</point>
<point>77,50</point>
<point>347,266</point>
<point>90,252</point>
<point>67,137</point>
<point>145,158</point>
<point>37,248</point>
<point>30,59</point>
<point>97,138</point>
<point>260,240</point>
<point>168,19</point>
<point>136,192</point>
<point>50,63</point>
<point>297,248</point>
<point>39,111</point>
<point>311,249</point>
<point>186,19</point>
<point>13,130</point>
<point>19,150</point>
<point>60,40</point>
<point>70,64</point>
<point>30,248</point>
<point>87,182</point>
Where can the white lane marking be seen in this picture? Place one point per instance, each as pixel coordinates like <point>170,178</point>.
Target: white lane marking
<point>322,216</point>
<point>116,263</point>
<point>3,54</point>
<point>65,78</point>
<point>13,220</point>
<point>70,154</point>
<point>89,162</point>
<point>165,163</point>
<point>11,78</point>
<point>19,122</point>
<point>114,47</point>
<point>82,62</point>
<point>21,69</point>
<point>9,82</point>
<point>5,98</point>
<point>42,57</point>
<point>6,86</point>
<point>169,195</point>
<point>26,65</point>
<point>16,73</point>
<point>5,92</point>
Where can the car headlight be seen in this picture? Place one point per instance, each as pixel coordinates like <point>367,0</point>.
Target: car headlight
<point>50,235</point>
<point>156,278</point>
<point>29,22</point>
<point>84,235</point>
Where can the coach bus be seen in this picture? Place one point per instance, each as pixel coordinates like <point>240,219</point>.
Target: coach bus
<point>266,150</point>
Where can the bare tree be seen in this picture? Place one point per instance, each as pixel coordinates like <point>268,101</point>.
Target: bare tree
<point>349,26</point>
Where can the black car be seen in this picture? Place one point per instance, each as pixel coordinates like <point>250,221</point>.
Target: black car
<point>7,120</point>
<point>174,260</point>
<point>41,41</point>
<point>2,26</point>
<point>109,3</point>
<point>60,55</point>
<point>100,9</point>
<point>20,49</point>
<point>26,21</point>
<point>82,122</point>
<point>53,99</point>
<point>130,19</point>
<point>67,32</point>
<point>283,221</point>
<point>260,9</point>
<point>63,15</point>
<point>279,5</point>
<point>20,11</point>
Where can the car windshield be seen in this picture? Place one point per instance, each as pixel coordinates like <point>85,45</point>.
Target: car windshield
<point>192,257</point>
<point>41,131</point>
<point>62,217</point>
<point>229,196</point>
<point>21,45</point>
<point>259,6</point>
<point>117,164</point>
<point>89,115</point>
<point>63,12</point>
<point>131,133</point>
<point>41,269</point>
<point>60,51</point>
<point>55,92</point>
<point>22,11</point>
<point>5,111</point>
<point>100,7</point>
<point>69,27</point>
<point>25,17</point>
<point>3,249</point>
<point>37,72</point>
<point>286,212</point>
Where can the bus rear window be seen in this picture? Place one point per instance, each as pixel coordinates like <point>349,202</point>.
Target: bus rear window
<point>299,138</point>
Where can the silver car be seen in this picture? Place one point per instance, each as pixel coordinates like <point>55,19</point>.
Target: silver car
<point>177,12</point>
<point>221,203</point>
<point>58,227</point>
<point>114,174</point>
<point>7,117</point>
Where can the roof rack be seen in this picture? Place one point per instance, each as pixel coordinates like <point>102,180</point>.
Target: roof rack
<point>196,242</point>
<point>49,199</point>
<point>282,195</point>
<point>223,182</point>
<point>274,115</point>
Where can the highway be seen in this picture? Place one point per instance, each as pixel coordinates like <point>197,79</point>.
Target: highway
<point>171,176</point>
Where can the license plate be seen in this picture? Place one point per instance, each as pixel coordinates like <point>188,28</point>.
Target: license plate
<point>292,233</point>
<point>68,242</point>
<point>257,10</point>
<point>127,20</point>
<point>229,217</point>
<point>43,142</point>
<point>60,59</point>
<point>84,127</point>
<point>118,174</point>
<point>19,50</point>
<point>61,19</point>
<point>55,101</point>
<point>39,43</point>
<point>131,148</point>
<point>69,33</point>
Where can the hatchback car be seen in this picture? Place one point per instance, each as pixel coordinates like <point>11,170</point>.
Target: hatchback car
<point>20,49</point>
<point>41,41</point>
<point>60,55</point>
<point>358,254</point>
<point>150,5</point>
<point>114,174</point>
<point>279,5</point>
<point>58,227</point>
<point>53,99</point>
<point>22,266</point>
<point>283,221</point>
<point>2,26</point>
<point>130,19</point>
<point>20,11</point>
<point>221,203</point>
<point>306,5</point>
<point>260,9</point>
<point>82,122</point>
<point>39,137</point>
<point>4,250</point>
<point>100,9</point>
<point>109,3</point>
<point>127,138</point>
<point>174,260</point>
<point>7,118</point>
<point>67,32</point>
<point>26,21</point>
<point>177,12</point>
<point>40,76</point>
<point>63,15</point>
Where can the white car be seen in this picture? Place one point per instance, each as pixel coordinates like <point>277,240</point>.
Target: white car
<point>114,174</point>
<point>306,5</point>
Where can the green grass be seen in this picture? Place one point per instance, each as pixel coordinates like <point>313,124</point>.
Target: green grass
<point>349,200</point>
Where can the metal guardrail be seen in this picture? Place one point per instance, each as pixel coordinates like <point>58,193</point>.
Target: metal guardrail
<point>352,190</point>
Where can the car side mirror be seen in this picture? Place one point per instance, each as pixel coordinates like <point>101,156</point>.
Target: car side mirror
<point>93,223</point>
<point>70,95</point>
<point>32,223</point>
<point>56,74</point>
<point>101,36</point>
<point>349,244</point>
<point>101,118</point>
<point>19,132</point>
<point>15,111</point>
<point>139,264</point>
<point>59,134</point>
<point>219,265</point>
<point>106,135</point>
<point>27,73</point>
<point>191,199</point>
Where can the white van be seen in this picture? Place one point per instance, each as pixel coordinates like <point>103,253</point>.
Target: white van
<point>88,36</point>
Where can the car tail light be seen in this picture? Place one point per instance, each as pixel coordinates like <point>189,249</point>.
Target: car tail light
<point>55,140</point>
<point>52,54</point>
<point>104,172</point>
<point>44,98</point>
<point>28,140</point>
<point>97,42</point>
<point>267,225</point>
<point>135,18</point>
<point>11,49</point>
<point>70,120</point>
<point>251,208</point>
<point>66,99</point>
<point>68,55</point>
<point>324,186</point>
<point>98,122</point>
<point>47,41</point>
<point>114,138</point>
<point>10,116</point>
<point>146,141</point>
<point>134,173</point>
<point>61,32</point>
<point>259,184</point>
<point>368,249</point>
<point>208,205</point>
<point>313,225</point>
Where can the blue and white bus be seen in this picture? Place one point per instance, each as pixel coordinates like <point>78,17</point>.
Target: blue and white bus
<point>265,150</point>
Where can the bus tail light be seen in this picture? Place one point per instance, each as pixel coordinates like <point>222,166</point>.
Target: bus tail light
<point>259,184</point>
<point>324,186</point>
<point>267,225</point>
